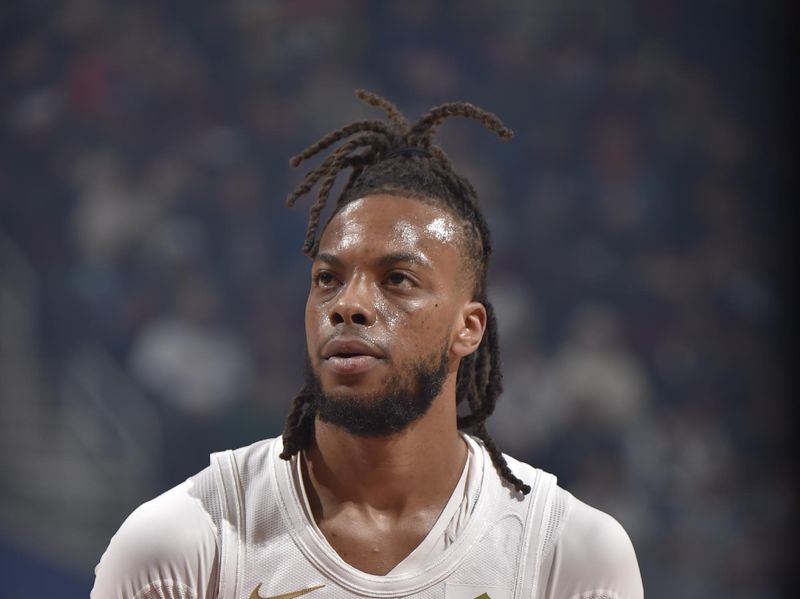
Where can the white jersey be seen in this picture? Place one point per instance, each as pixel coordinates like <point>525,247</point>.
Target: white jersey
<point>242,529</point>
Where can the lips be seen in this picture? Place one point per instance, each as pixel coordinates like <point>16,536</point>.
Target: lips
<point>350,355</point>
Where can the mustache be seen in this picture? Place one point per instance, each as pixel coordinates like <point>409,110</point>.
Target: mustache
<point>354,333</point>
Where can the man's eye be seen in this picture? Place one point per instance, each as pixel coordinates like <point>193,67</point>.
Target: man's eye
<point>324,279</point>
<point>399,279</point>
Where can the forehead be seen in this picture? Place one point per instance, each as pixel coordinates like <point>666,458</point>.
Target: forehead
<point>378,221</point>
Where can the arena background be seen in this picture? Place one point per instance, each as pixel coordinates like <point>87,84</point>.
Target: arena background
<point>152,285</point>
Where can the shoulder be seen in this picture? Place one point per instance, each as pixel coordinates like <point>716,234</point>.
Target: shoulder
<point>256,454</point>
<point>593,556</point>
<point>584,552</point>
<point>167,545</point>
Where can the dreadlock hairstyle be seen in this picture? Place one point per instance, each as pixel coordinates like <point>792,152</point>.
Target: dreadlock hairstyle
<point>399,158</point>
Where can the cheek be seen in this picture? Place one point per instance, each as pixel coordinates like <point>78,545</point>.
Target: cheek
<point>392,315</point>
<point>417,325</point>
<point>313,323</point>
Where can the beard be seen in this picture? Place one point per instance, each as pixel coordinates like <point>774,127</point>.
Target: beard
<point>403,399</point>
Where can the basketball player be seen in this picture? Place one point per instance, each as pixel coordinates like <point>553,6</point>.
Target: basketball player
<point>373,489</point>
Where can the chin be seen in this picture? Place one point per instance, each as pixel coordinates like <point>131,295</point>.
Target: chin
<point>359,390</point>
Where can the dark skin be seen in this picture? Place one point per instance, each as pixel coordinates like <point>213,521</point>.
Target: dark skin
<point>389,284</point>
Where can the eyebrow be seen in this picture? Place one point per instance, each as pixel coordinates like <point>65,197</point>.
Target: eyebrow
<point>383,261</point>
<point>411,257</point>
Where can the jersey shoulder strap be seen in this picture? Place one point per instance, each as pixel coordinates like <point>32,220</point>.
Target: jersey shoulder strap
<point>226,477</point>
<point>232,471</point>
<point>538,528</point>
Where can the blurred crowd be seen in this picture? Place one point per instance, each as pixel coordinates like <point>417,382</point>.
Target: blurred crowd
<point>634,216</point>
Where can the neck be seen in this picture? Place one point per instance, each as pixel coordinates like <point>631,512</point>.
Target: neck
<point>417,467</point>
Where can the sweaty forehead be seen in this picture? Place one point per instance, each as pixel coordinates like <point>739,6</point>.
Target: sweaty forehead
<point>386,220</point>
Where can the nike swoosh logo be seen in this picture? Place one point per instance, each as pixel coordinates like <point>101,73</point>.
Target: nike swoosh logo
<point>256,595</point>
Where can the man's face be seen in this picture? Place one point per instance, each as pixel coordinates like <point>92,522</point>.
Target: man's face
<point>388,289</point>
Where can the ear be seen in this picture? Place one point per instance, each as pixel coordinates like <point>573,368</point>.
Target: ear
<point>469,329</point>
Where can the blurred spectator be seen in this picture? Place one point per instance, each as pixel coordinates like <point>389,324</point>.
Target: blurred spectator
<point>597,374</point>
<point>197,368</point>
<point>187,358</point>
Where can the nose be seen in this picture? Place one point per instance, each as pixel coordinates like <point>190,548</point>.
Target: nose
<point>354,305</point>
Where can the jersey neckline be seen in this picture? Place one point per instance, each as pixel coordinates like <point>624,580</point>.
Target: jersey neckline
<point>317,550</point>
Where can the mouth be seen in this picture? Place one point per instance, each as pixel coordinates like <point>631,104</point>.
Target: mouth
<point>348,356</point>
<point>348,363</point>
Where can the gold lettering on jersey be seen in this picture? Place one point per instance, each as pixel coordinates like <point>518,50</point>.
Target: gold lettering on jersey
<point>454,590</point>
<point>256,595</point>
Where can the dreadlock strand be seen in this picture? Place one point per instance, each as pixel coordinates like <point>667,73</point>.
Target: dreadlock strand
<point>295,431</point>
<point>317,173</point>
<point>462,379</point>
<point>309,181</point>
<point>370,126</point>
<point>441,156</point>
<point>316,210</point>
<point>483,368</point>
<point>489,378</point>
<point>500,462</point>
<point>480,409</point>
<point>473,395</point>
<point>475,398</point>
<point>328,171</point>
<point>357,164</point>
<point>313,223</point>
<point>391,110</point>
<point>485,376</point>
<point>428,123</point>
<point>495,381</point>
